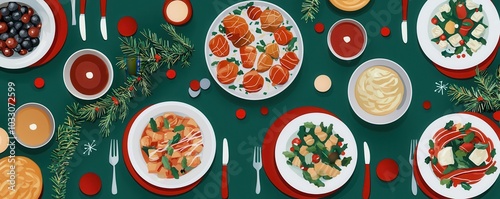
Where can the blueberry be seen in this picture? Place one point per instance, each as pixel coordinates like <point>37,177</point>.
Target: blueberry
<point>26,44</point>
<point>16,15</point>
<point>10,24</point>
<point>24,9</point>
<point>35,19</point>
<point>18,25</point>
<point>4,36</point>
<point>12,6</point>
<point>7,18</point>
<point>17,48</point>
<point>23,33</point>
<point>4,11</point>
<point>13,31</point>
<point>35,42</point>
<point>27,26</point>
<point>30,49</point>
<point>18,38</point>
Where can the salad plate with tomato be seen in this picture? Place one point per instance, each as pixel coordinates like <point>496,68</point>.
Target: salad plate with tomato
<point>316,153</point>
<point>458,34</point>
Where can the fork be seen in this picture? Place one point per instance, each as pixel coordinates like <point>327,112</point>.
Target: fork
<point>257,164</point>
<point>413,145</point>
<point>113,160</point>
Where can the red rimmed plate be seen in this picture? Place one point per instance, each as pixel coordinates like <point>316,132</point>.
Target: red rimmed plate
<point>268,152</point>
<point>418,177</point>
<point>137,178</point>
<point>61,32</point>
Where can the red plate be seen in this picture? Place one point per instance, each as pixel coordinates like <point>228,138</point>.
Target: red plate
<point>269,145</point>
<point>61,32</point>
<point>138,179</point>
<point>418,178</point>
<point>471,72</point>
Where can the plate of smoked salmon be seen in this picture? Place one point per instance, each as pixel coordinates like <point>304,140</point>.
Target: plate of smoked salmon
<point>254,50</point>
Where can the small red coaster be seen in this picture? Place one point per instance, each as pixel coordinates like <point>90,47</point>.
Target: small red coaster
<point>427,105</point>
<point>264,110</point>
<point>385,31</point>
<point>496,115</point>
<point>319,27</point>
<point>127,26</point>
<point>387,170</point>
<point>39,82</point>
<point>90,184</point>
<point>171,73</point>
<point>194,85</point>
<point>241,113</point>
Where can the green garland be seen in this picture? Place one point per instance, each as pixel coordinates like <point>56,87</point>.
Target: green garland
<point>309,9</point>
<point>485,97</point>
<point>153,53</point>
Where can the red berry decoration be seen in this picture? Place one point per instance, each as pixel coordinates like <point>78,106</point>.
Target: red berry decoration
<point>157,58</point>
<point>194,85</point>
<point>264,110</point>
<point>39,82</point>
<point>385,31</point>
<point>496,115</point>
<point>139,79</point>
<point>319,27</point>
<point>96,109</point>
<point>90,184</point>
<point>171,74</point>
<point>115,101</point>
<point>387,170</point>
<point>131,88</point>
<point>480,99</point>
<point>241,113</point>
<point>427,105</point>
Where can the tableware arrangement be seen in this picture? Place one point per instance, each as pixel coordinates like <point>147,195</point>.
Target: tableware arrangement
<point>73,12</point>
<point>35,125</point>
<point>347,39</point>
<point>225,160</point>
<point>413,147</point>
<point>390,94</point>
<point>367,182</point>
<point>257,165</point>
<point>104,29</point>
<point>259,60</point>
<point>404,24</point>
<point>114,156</point>
<point>81,21</point>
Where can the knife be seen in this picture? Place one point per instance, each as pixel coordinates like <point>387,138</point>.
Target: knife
<point>404,25</point>
<point>73,17</point>
<point>82,20</point>
<point>366,186</point>
<point>225,160</point>
<point>104,30</point>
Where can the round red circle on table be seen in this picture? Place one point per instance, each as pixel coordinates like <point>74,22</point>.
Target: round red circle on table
<point>427,105</point>
<point>194,85</point>
<point>319,27</point>
<point>496,115</point>
<point>385,31</point>
<point>90,184</point>
<point>127,26</point>
<point>387,170</point>
<point>171,74</point>
<point>241,113</point>
<point>188,16</point>
<point>264,110</point>
<point>39,82</point>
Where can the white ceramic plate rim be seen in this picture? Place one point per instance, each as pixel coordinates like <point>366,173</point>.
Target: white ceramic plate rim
<point>288,172</point>
<point>52,121</point>
<point>47,35</point>
<point>135,155</point>
<point>426,171</point>
<point>375,119</point>
<point>258,95</point>
<point>67,76</point>
<point>428,47</point>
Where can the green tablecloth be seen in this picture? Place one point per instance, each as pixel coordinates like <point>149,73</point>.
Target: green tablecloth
<point>389,141</point>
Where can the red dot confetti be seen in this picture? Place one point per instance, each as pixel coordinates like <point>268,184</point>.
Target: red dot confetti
<point>171,73</point>
<point>127,26</point>
<point>387,170</point>
<point>241,113</point>
<point>385,31</point>
<point>319,27</point>
<point>427,105</point>
<point>90,184</point>
<point>39,82</point>
<point>194,85</point>
<point>264,110</point>
<point>496,115</point>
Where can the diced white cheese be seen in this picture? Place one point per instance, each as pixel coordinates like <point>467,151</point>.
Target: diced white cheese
<point>436,31</point>
<point>478,31</point>
<point>471,5</point>
<point>445,8</point>
<point>445,156</point>
<point>477,16</point>
<point>478,156</point>
<point>443,44</point>
<point>474,45</point>
<point>439,16</point>
<point>455,40</point>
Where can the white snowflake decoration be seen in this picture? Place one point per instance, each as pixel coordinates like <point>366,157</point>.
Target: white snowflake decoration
<point>440,87</point>
<point>89,147</point>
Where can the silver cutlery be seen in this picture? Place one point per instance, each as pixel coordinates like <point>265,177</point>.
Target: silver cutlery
<point>83,31</point>
<point>404,25</point>
<point>225,160</point>
<point>104,30</point>
<point>367,183</point>
<point>257,165</point>
<point>413,145</point>
<point>73,16</point>
<point>113,160</point>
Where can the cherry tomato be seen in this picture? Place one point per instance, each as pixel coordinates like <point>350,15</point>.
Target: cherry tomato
<point>343,153</point>
<point>461,11</point>
<point>303,168</point>
<point>434,20</point>
<point>292,149</point>
<point>315,158</point>
<point>296,141</point>
<point>458,56</point>
<point>463,55</point>
<point>462,42</point>
<point>442,37</point>
<point>339,143</point>
<point>431,151</point>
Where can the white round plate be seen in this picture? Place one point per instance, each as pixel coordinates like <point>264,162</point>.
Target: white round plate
<point>376,119</point>
<point>433,51</point>
<point>267,90</point>
<point>426,171</point>
<point>135,152</point>
<point>293,175</point>
<point>67,76</point>
<point>46,37</point>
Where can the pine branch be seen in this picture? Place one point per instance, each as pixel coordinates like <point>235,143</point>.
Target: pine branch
<point>483,98</point>
<point>309,9</point>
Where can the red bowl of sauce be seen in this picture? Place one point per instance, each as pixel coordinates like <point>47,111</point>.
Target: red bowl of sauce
<point>347,39</point>
<point>88,74</point>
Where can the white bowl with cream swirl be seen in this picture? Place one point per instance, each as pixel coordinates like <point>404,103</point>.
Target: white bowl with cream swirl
<point>380,91</point>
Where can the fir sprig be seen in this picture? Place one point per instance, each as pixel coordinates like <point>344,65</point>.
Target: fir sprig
<point>485,97</point>
<point>153,53</point>
<point>309,9</point>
